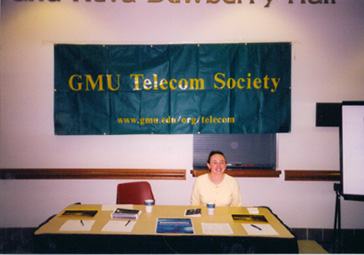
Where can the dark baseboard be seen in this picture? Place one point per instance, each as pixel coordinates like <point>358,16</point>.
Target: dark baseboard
<point>21,240</point>
<point>16,240</point>
<point>350,240</point>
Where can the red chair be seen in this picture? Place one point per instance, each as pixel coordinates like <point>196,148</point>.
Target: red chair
<point>134,193</point>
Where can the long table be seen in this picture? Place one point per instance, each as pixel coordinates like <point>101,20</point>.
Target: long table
<point>140,236</point>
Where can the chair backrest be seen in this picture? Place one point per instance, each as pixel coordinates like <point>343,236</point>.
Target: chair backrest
<point>134,193</point>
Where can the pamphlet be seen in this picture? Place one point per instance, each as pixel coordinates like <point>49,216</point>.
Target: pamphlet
<point>80,212</point>
<point>249,217</point>
<point>193,212</point>
<point>174,226</point>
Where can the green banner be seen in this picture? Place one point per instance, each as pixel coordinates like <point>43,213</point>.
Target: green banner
<point>172,89</point>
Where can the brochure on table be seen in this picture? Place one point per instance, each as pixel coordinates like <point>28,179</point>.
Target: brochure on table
<point>174,226</point>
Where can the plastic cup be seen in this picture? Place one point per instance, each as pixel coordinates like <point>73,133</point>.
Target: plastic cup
<point>149,205</point>
<point>210,208</point>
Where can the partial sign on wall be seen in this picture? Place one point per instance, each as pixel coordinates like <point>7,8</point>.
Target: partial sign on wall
<point>172,89</point>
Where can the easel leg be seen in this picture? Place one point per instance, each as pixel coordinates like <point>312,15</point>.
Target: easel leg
<point>337,224</point>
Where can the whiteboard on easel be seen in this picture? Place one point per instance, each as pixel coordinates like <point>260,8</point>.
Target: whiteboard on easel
<point>352,150</point>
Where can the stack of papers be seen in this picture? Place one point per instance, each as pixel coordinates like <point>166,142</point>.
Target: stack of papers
<point>121,213</point>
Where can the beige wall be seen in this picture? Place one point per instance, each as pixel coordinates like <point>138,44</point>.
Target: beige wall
<point>327,66</point>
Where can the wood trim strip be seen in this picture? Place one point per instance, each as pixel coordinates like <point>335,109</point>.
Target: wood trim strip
<point>160,174</point>
<point>312,175</point>
<point>243,173</point>
<point>96,173</point>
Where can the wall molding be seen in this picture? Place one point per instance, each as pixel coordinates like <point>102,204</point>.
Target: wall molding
<point>93,173</point>
<point>159,174</point>
<point>312,175</point>
<point>243,173</point>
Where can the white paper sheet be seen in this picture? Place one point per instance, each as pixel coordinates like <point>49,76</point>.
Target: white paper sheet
<point>216,228</point>
<point>119,226</point>
<point>77,225</point>
<point>253,210</point>
<point>113,207</point>
<point>260,229</point>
